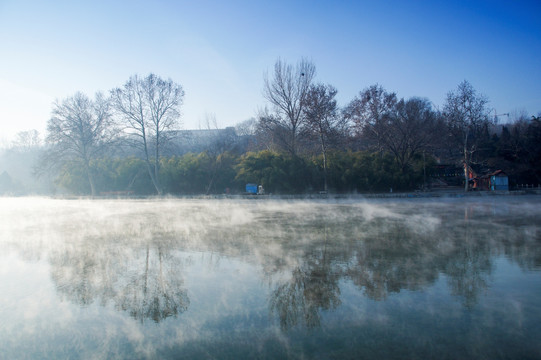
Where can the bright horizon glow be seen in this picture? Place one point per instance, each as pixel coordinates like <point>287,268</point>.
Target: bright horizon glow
<point>220,51</point>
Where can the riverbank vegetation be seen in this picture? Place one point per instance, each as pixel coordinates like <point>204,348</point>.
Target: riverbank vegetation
<point>130,142</point>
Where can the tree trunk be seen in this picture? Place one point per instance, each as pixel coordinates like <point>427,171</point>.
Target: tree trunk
<point>151,173</point>
<point>214,170</point>
<point>90,178</point>
<point>91,182</point>
<point>157,164</point>
<point>465,176</point>
<point>324,169</point>
<point>466,162</point>
<point>152,170</point>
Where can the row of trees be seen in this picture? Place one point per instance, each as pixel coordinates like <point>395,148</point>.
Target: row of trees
<point>138,114</point>
<point>375,120</point>
<point>303,141</point>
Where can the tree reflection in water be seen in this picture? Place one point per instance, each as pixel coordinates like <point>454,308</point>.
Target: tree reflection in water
<point>158,292</point>
<point>313,287</point>
<point>306,251</point>
<point>145,281</point>
<point>389,254</point>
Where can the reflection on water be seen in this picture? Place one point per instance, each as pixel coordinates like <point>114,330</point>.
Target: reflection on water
<point>147,282</point>
<point>271,279</point>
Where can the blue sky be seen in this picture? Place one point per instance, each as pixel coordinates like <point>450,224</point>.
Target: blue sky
<point>219,51</point>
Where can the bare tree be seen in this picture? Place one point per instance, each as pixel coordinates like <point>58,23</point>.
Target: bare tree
<point>323,120</point>
<point>409,130</point>
<point>246,135</point>
<point>466,114</point>
<point>286,92</point>
<point>270,132</point>
<point>80,130</point>
<point>27,140</point>
<point>246,127</point>
<point>220,142</point>
<point>368,112</point>
<point>149,108</point>
<point>403,128</point>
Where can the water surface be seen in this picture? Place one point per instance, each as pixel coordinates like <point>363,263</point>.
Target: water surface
<point>411,278</point>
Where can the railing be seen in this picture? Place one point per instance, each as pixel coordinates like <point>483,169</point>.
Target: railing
<point>528,186</point>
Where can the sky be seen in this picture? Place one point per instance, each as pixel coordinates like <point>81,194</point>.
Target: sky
<point>221,51</point>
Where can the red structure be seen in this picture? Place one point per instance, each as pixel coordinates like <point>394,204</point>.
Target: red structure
<point>495,181</point>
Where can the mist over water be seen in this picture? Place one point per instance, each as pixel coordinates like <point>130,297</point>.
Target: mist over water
<point>353,278</point>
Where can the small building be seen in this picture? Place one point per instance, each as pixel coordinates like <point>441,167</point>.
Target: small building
<point>499,181</point>
<point>495,181</point>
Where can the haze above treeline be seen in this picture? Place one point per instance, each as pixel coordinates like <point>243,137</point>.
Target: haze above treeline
<point>129,141</point>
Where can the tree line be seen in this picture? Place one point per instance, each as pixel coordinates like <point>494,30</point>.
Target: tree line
<point>301,142</point>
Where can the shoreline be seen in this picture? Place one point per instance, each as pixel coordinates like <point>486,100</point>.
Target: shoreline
<point>440,193</point>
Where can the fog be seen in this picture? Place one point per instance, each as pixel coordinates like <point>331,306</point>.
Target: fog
<point>200,268</point>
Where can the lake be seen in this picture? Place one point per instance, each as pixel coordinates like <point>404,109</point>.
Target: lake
<point>302,279</point>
